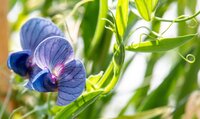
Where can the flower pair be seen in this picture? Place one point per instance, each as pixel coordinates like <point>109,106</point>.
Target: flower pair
<point>47,59</point>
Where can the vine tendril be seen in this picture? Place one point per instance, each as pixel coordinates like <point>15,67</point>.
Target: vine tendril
<point>140,40</point>
<point>110,22</point>
<point>179,19</point>
<point>195,23</point>
<point>167,28</point>
<point>109,28</point>
<point>190,58</point>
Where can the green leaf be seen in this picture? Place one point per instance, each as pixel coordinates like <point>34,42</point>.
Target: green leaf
<point>92,81</point>
<point>122,16</point>
<point>148,114</point>
<point>95,78</point>
<point>119,55</point>
<point>132,20</point>
<point>75,108</point>
<point>106,76</point>
<point>137,98</point>
<point>89,23</point>
<point>146,8</point>
<point>154,3</point>
<point>189,82</point>
<point>118,61</point>
<point>143,9</point>
<point>162,44</point>
<point>159,97</point>
<point>103,9</point>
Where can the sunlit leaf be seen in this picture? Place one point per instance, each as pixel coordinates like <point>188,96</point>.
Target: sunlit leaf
<point>143,9</point>
<point>122,16</point>
<point>92,80</point>
<point>95,78</point>
<point>73,109</point>
<point>154,3</point>
<point>148,114</point>
<point>146,8</point>
<point>162,44</point>
<point>189,83</point>
<point>103,9</point>
<point>89,23</point>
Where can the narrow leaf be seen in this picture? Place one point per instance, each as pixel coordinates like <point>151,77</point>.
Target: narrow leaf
<point>122,16</point>
<point>75,108</point>
<point>146,8</point>
<point>148,114</point>
<point>143,9</point>
<point>95,78</point>
<point>162,44</point>
<point>92,81</point>
<point>164,90</point>
<point>103,8</point>
<point>154,3</point>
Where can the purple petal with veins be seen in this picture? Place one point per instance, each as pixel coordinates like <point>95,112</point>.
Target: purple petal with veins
<point>35,31</point>
<point>53,53</point>
<point>71,82</point>
<point>49,63</point>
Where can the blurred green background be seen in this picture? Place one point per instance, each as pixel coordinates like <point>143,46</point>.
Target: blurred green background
<point>151,85</point>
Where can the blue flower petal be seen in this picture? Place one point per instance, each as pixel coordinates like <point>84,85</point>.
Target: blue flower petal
<point>71,82</point>
<point>29,85</point>
<point>35,31</point>
<point>42,82</point>
<point>53,52</point>
<point>17,61</point>
<point>31,74</point>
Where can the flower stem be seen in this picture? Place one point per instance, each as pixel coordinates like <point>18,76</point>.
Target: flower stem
<point>29,113</point>
<point>5,104</point>
<point>106,75</point>
<point>112,84</point>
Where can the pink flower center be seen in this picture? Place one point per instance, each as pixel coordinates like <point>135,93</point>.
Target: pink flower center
<point>58,70</point>
<point>53,78</point>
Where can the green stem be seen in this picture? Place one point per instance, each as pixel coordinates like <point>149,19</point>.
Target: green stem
<point>15,111</point>
<point>112,84</point>
<point>6,102</point>
<point>29,113</point>
<point>179,19</point>
<point>93,86</point>
<point>49,101</point>
<point>118,37</point>
<point>8,96</point>
<point>106,75</point>
<point>78,5</point>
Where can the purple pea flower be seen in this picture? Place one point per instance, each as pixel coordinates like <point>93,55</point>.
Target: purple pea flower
<point>50,65</point>
<point>32,33</point>
<point>61,72</point>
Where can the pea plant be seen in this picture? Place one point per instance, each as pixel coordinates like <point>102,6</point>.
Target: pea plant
<point>62,76</point>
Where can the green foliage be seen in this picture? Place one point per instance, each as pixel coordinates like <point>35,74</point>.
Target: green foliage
<point>106,37</point>
<point>73,109</point>
<point>122,16</point>
<point>164,88</point>
<point>148,114</point>
<point>161,44</point>
<point>146,8</point>
<point>103,8</point>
